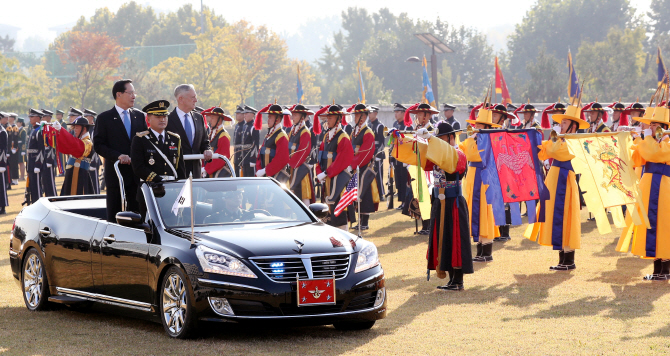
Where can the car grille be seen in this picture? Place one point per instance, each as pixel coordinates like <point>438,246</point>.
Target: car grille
<point>364,301</point>
<point>284,269</point>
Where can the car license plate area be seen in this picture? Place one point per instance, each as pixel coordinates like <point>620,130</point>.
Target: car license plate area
<point>315,292</point>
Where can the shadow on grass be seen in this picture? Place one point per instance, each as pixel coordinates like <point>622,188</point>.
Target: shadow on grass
<point>628,269</point>
<point>609,250</point>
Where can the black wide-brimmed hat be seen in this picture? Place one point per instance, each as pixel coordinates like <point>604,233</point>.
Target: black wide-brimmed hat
<point>157,108</point>
<point>81,121</point>
<point>302,109</point>
<point>217,111</point>
<point>502,109</point>
<point>336,109</point>
<point>527,108</point>
<point>360,108</point>
<point>637,106</point>
<point>424,108</point>
<point>444,128</point>
<point>595,106</point>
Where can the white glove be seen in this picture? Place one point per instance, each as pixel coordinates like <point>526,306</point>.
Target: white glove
<point>43,122</point>
<point>546,164</point>
<point>13,150</point>
<point>378,159</point>
<point>56,125</point>
<point>36,170</point>
<point>557,129</point>
<point>92,169</point>
<point>23,153</point>
<point>260,172</point>
<point>405,164</point>
<point>321,177</point>
<point>349,169</point>
<point>424,133</point>
<point>49,165</point>
<point>647,132</point>
<point>7,155</point>
<point>252,164</point>
<point>203,172</point>
<point>310,166</point>
<point>2,169</point>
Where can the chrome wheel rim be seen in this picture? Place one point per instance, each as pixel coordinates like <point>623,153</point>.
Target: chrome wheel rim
<point>174,303</point>
<point>33,281</point>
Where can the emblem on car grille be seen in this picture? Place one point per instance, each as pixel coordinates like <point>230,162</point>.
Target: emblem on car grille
<point>300,245</point>
<point>316,292</point>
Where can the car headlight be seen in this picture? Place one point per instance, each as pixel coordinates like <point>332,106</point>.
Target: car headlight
<point>367,258</point>
<point>213,261</point>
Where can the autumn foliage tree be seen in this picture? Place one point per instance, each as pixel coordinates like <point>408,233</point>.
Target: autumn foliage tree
<point>96,57</point>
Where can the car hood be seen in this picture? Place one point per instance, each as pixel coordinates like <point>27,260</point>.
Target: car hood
<point>275,239</point>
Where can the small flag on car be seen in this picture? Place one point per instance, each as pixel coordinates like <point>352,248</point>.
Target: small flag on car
<point>184,198</point>
<point>349,196</point>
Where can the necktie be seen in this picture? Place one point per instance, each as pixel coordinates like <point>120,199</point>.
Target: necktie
<point>160,139</point>
<point>126,122</point>
<point>189,131</point>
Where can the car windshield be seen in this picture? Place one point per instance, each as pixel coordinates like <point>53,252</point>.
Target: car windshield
<point>231,201</point>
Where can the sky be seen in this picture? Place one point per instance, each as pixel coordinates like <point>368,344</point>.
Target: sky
<point>35,17</point>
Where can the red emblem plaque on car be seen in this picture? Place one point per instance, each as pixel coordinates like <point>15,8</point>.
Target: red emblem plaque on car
<point>316,292</point>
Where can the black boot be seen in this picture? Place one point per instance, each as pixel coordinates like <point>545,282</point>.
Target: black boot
<point>665,269</point>
<point>479,252</point>
<point>656,275</point>
<point>2,211</point>
<point>456,283</point>
<point>365,218</point>
<point>504,234</point>
<point>561,260</point>
<point>568,262</point>
<point>451,278</point>
<point>425,227</point>
<point>486,256</point>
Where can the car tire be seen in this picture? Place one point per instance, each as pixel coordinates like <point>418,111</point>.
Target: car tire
<point>176,307</point>
<point>354,325</point>
<point>34,282</point>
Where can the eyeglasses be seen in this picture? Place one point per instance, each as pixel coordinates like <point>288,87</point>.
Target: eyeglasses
<point>131,93</point>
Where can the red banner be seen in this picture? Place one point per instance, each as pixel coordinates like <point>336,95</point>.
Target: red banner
<point>316,292</point>
<point>514,162</point>
<point>501,86</point>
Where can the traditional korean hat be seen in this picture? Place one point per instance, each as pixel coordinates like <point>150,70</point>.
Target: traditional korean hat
<point>444,128</point>
<point>424,108</point>
<point>573,113</point>
<point>217,111</point>
<point>81,121</point>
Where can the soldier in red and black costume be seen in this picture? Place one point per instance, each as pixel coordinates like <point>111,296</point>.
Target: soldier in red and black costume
<point>300,149</point>
<point>219,140</point>
<point>526,118</point>
<point>620,117</point>
<point>335,154</point>
<point>273,154</point>
<point>597,117</point>
<point>363,141</point>
<point>79,147</point>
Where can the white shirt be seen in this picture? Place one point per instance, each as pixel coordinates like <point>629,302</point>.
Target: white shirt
<point>156,134</point>
<point>121,112</point>
<point>190,122</point>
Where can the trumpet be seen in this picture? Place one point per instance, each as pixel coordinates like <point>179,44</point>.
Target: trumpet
<point>659,133</point>
<point>471,130</point>
<point>555,136</point>
<point>407,132</point>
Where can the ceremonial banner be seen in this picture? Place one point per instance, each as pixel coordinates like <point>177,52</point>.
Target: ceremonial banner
<point>607,178</point>
<point>511,169</point>
<point>426,184</point>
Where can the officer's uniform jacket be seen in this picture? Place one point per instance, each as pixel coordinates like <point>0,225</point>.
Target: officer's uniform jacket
<point>149,165</point>
<point>250,141</point>
<point>378,130</point>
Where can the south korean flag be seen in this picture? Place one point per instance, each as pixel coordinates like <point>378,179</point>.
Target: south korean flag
<point>184,198</point>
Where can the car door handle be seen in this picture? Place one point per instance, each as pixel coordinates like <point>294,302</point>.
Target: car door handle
<point>109,239</point>
<point>45,231</point>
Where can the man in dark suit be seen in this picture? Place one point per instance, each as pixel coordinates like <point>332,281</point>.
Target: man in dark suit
<point>190,126</point>
<point>111,139</point>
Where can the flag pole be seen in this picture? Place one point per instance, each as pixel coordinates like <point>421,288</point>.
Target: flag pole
<point>190,189</point>
<point>358,200</point>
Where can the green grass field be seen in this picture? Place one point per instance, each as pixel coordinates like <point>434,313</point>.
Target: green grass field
<point>513,305</point>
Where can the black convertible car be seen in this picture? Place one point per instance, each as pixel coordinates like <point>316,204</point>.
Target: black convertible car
<point>273,260</point>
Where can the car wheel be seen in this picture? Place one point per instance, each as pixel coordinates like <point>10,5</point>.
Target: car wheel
<point>354,325</point>
<point>177,313</point>
<point>34,282</point>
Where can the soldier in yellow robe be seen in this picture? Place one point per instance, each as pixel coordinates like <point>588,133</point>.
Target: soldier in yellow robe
<point>558,218</point>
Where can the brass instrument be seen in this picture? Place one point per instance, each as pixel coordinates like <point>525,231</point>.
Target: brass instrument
<point>407,132</point>
<point>555,136</point>
<point>659,133</point>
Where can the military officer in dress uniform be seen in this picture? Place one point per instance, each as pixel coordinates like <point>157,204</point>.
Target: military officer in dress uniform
<point>155,154</point>
<point>4,165</point>
<point>23,138</point>
<point>300,149</point>
<point>219,140</point>
<point>250,141</point>
<point>378,129</point>
<point>238,135</point>
<point>35,158</point>
<point>13,149</point>
<point>363,142</point>
<point>318,133</point>
<point>272,158</point>
<point>4,122</point>
<point>48,174</point>
<point>597,117</point>
<point>79,148</point>
<point>96,162</point>
<point>448,111</point>
<point>399,168</point>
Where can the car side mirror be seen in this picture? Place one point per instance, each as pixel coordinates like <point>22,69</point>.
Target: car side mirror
<point>128,218</point>
<point>320,210</point>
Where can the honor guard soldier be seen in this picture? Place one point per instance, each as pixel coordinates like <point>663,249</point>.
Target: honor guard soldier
<point>250,141</point>
<point>14,150</point>
<point>363,142</point>
<point>4,122</point>
<point>272,158</point>
<point>35,158</point>
<point>318,133</point>
<point>597,117</point>
<point>300,149</point>
<point>4,165</point>
<point>73,114</point>
<point>335,155</point>
<point>49,173</point>
<point>380,155</point>
<point>448,111</point>
<point>62,158</point>
<point>96,162</point>
<point>155,154</point>
<point>619,116</point>
<point>79,148</point>
<point>219,140</point>
<point>23,139</point>
<point>238,135</point>
<point>527,121</point>
<point>504,119</point>
<point>399,168</point>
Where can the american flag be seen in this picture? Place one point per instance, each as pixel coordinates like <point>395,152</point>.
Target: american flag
<point>349,195</point>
